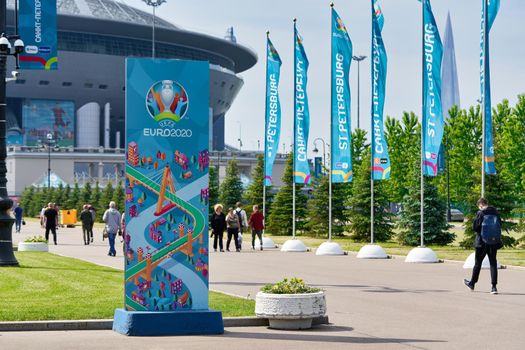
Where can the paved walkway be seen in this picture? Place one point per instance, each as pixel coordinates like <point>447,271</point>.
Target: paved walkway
<point>383,304</point>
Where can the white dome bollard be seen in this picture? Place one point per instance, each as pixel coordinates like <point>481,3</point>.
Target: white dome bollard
<point>329,248</point>
<point>422,255</point>
<point>267,243</point>
<point>471,260</point>
<point>372,251</point>
<point>294,245</point>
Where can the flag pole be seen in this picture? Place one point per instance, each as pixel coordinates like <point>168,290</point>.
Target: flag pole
<point>484,97</point>
<point>422,213</point>
<point>331,134</point>
<point>265,138</point>
<point>294,124</point>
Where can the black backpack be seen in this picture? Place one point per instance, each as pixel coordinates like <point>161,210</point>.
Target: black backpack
<point>239,215</point>
<point>491,230</point>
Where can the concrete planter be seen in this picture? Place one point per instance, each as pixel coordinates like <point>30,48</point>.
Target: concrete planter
<point>290,311</point>
<point>32,247</point>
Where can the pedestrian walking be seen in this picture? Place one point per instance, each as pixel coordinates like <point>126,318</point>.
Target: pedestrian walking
<point>487,226</point>
<point>87,223</point>
<point>243,220</point>
<point>256,223</point>
<point>218,225</point>
<point>94,216</point>
<point>232,226</point>
<point>112,219</point>
<point>50,221</point>
<point>18,217</point>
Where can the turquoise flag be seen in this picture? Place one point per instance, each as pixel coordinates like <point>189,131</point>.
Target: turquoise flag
<point>341,101</point>
<point>273,110</point>
<point>38,29</point>
<point>381,160</point>
<point>491,8</point>
<point>301,113</point>
<point>433,122</point>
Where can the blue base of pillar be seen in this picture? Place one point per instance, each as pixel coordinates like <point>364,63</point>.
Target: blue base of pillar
<point>144,323</point>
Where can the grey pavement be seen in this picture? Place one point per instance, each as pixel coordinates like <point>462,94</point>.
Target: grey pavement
<point>372,304</point>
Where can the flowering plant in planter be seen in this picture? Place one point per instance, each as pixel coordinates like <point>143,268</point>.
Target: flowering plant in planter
<point>35,239</point>
<point>290,304</point>
<point>293,286</point>
<point>35,243</point>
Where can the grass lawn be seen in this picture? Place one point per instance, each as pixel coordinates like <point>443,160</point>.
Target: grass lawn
<point>51,287</point>
<point>508,256</point>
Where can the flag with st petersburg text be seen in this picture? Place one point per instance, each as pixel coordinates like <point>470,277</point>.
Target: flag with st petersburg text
<point>433,122</point>
<point>273,110</point>
<point>341,144</point>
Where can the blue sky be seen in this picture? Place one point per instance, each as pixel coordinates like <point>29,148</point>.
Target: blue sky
<point>402,36</point>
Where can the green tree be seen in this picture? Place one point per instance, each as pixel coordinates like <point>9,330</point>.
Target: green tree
<point>95,196</point>
<point>26,201</point>
<point>213,187</point>
<point>358,213</point>
<point>403,140</point>
<point>74,198</point>
<point>231,189</point>
<point>119,197</point>
<point>254,193</point>
<point>317,222</point>
<point>86,194</point>
<point>280,219</point>
<point>435,221</point>
<point>107,196</point>
<point>59,195</point>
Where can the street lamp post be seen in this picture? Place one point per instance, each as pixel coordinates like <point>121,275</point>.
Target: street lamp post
<point>7,257</point>
<point>315,150</point>
<point>48,142</point>
<point>358,59</point>
<point>154,4</point>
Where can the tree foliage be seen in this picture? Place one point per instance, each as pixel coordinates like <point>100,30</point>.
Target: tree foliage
<point>231,188</point>
<point>280,220</point>
<point>359,206</point>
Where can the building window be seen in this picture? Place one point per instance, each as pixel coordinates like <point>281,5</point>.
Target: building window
<point>43,82</point>
<point>67,83</point>
<point>102,86</point>
<point>20,81</point>
<point>88,85</point>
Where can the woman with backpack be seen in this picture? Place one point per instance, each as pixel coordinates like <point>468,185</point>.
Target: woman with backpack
<point>232,226</point>
<point>487,226</point>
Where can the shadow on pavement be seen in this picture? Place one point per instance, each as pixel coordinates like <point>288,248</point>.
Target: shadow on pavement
<point>381,289</point>
<point>298,336</point>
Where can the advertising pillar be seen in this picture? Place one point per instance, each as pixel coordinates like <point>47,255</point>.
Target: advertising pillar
<point>166,231</point>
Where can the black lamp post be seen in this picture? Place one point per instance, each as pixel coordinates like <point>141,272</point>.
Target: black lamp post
<point>7,257</point>
<point>50,141</point>
<point>316,150</point>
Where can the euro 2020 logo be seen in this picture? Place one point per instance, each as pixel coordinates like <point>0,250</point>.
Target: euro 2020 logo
<point>167,102</point>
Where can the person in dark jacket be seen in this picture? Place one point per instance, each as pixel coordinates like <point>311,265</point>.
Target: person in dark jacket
<point>483,249</point>
<point>87,223</point>
<point>218,225</point>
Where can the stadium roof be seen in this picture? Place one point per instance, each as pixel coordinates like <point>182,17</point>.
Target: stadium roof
<point>105,9</point>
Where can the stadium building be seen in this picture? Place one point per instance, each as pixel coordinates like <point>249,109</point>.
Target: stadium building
<point>82,103</point>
